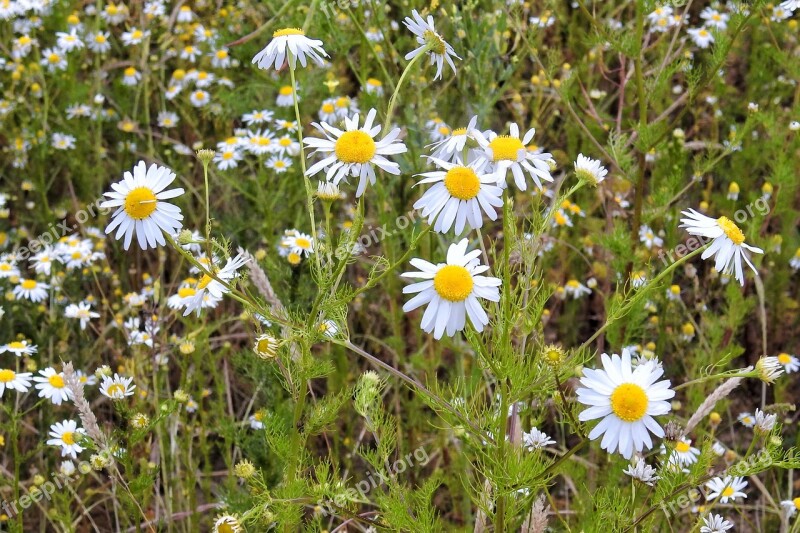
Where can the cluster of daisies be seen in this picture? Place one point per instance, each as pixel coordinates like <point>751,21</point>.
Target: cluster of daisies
<point>194,66</point>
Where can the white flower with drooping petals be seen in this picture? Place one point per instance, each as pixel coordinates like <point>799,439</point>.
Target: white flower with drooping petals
<point>727,488</point>
<point>430,42</point>
<point>291,43</point>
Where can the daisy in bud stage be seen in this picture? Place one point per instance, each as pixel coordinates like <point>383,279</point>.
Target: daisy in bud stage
<point>451,291</point>
<point>509,152</point>
<point>430,42</point>
<point>354,152</point>
<point>727,488</point>
<point>141,209</point>
<point>626,400</point>
<point>291,43</point>
<point>727,242</point>
<point>459,194</point>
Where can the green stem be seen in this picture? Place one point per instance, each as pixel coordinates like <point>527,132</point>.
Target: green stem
<point>393,100</point>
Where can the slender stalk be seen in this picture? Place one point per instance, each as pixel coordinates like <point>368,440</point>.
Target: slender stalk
<point>393,100</point>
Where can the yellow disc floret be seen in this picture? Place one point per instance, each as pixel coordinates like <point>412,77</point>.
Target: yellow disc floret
<point>629,402</point>
<point>505,148</point>
<point>355,147</point>
<point>453,283</point>
<point>140,203</point>
<point>462,183</point>
<point>731,230</point>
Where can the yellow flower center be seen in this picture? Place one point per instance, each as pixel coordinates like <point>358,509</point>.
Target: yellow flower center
<point>100,38</point>
<point>731,230</point>
<point>453,283</point>
<point>286,90</point>
<point>459,131</point>
<point>629,402</point>
<point>130,71</point>
<point>68,438</point>
<point>16,345</point>
<point>288,31</point>
<point>505,148</point>
<point>728,492</point>
<point>28,284</point>
<point>285,142</point>
<point>796,503</point>
<point>355,147</point>
<point>5,267</point>
<point>373,82</point>
<point>462,183</point>
<point>137,34</point>
<point>265,346</point>
<point>185,292</point>
<point>204,281</point>
<point>54,58</point>
<point>784,358</point>
<point>7,375</point>
<point>682,447</point>
<point>294,259</point>
<point>342,101</point>
<point>115,389</point>
<point>140,203</point>
<point>328,108</point>
<point>444,130</point>
<point>303,243</point>
<point>56,381</point>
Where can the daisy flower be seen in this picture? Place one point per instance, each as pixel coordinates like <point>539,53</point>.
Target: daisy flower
<point>354,152</point>
<point>768,369</point>
<point>451,291</point>
<point>684,453</point>
<point>140,206</point>
<point>82,311</point>
<point>227,158</point>
<point>227,524</point>
<point>291,43</point>
<point>11,380</point>
<point>430,42</point>
<point>458,195</point>
<point>199,98</point>
<point>790,507</point>
<point>790,362</point>
<point>51,385</point>
<point>641,471</point>
<point>764,422</point>
<point>117,387</point>
<point>727,242</point>
<point>32,290</point>
<point>373,86</point>
<point>167,119</point>
<point>98,42</point>
<point>451,147</point>
<point>509,152</point>
<point>257,117</point>
<point>576,289</point>
<point>19,348</point>
<point>66,434</point>
<point>590,170</point>
<point>285,96</point>
<point>299,243</point>
<point>626,400</point>
<point>746,419</point>
<point>727,488</point>
<point>134,36</point>
<point>701,37</point>
<point>535,439</point>
<point>278,164</point>
<point>208,286</point>
<point>715,523</point>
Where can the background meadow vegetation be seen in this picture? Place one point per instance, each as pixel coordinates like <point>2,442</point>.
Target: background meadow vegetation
<point>357,391</point>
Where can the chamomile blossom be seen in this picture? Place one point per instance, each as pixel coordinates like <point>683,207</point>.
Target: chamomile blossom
<point>227,158</point>
<point>590,170</point>
<point>19,348</point>
<point>32,290</point>
<point>727,242</point>
<point>684,453</point>
<point>459,195</point>
<point>291,43</point>
<point>18,381</point>
<point>451,291</point>
<point>451,147</point>
<point>714,523</point>
<point>51,385</point>
<point>286,96</point>
<point>641,471</point>
<point>727,488</point>
<point>66,434</point>
<point>790,362</point>
<point>701,37</point>
<point>354,151</point>
<point>535,439</point>
<point>626,400</point>
<point>790,507</point>
<point>216,288</point>
<point>430,42</point>
<point>81,311</point>
<point>141,209</point>
<point>117,387</point>
<point>509,152</point>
